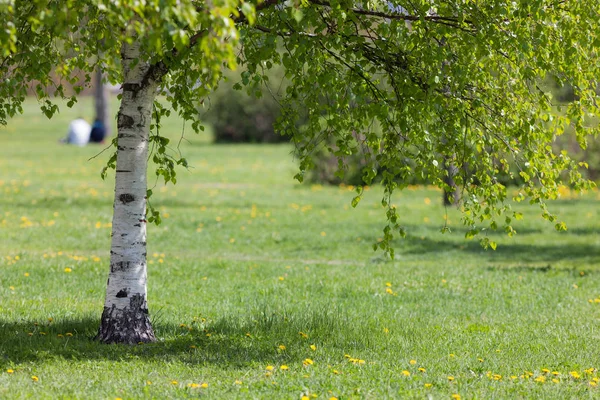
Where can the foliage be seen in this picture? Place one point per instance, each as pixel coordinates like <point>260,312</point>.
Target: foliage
<point>454,80</point>
<point>515,308</point>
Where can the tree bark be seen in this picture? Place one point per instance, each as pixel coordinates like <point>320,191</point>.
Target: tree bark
<point>101,101</point>
<point>125,318</point>
<point>451,192</point>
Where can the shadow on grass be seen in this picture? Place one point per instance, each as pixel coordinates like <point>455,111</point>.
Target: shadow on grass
<point>230,341</point>
<point>506,252</point>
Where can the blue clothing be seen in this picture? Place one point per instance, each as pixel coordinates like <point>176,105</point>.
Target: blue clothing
<point>98,132</point>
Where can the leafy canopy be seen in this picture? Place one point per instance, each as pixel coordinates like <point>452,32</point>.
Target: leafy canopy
<point>417,84</point>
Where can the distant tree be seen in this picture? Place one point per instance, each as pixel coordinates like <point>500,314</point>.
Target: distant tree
<point>101,102</point>
<point>472,101</point>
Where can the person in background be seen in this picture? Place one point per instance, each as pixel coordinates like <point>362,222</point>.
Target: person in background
<point>79,132</point>
<point>98,132</point>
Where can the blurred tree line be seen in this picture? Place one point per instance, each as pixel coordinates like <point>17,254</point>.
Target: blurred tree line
<point>240,117</point>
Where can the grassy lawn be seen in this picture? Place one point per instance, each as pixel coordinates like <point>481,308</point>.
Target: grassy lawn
<point>260,287</point>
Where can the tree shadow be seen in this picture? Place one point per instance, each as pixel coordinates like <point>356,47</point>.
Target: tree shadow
<point>507,252</point>
<point>229,341</point>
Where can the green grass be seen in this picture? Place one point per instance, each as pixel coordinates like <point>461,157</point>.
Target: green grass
<point>246,259</point>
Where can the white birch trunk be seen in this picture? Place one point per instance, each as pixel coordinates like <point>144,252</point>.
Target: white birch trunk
<point>125,316</point>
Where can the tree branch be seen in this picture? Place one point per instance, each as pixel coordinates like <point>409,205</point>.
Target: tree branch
<point>452,21</point>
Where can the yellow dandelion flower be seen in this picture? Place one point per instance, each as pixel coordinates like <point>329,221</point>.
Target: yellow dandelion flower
<point>555,373</point>
<point>193,385</point>
<point>451,355</point>
<point>480,359</point>
<point>540,379</point>
<point>497,377</point>
<point>456,396</point>
<point>335,371</point>
<point>545,370</point>
<point>333,398</point>
<point>26,274</point>
<point>60,335</point>
<point>428,385</point>
<point>35,378</point>
<point>305,398</point>
<point>386,330</point>
<point>389,291</point>
<point>313,347</point>
<point>405,373</point>
<point>148,382</point>
<point>68,269</point>
<point>10,371</point>
<point>304,335</point>
<point>174,382</point>
<point>68,334</point>
<point>237,382</point>
<point>282,347</point>
<point>422,369</point>
<point>284,368</point>
<point>589,371</point>
<point>11,287</point>
<point>269,368</point>
<point>513,377</point>
<point>204,385</point>
<point>450,378</point>
<point>575,374</point>
<point>388,284</point>
<point>592,383</point>
<point>308,361</point>
<point>555,380</point>
<point>281,278</point>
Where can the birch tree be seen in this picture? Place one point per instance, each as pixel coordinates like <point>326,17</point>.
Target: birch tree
<point>474,101</point>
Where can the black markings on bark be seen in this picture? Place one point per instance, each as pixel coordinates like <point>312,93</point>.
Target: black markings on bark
<point>128,326</point>
<point>122,293</point>
<point>119,266</point>
<point>138,301</point>
<point>124,121</point>
<point>134,88</point>
<point>126,198</point>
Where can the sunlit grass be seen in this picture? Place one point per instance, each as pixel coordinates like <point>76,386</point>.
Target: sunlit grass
<point>260,287</point>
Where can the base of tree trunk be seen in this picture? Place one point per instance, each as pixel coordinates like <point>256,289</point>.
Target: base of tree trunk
<point>130,326</point>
